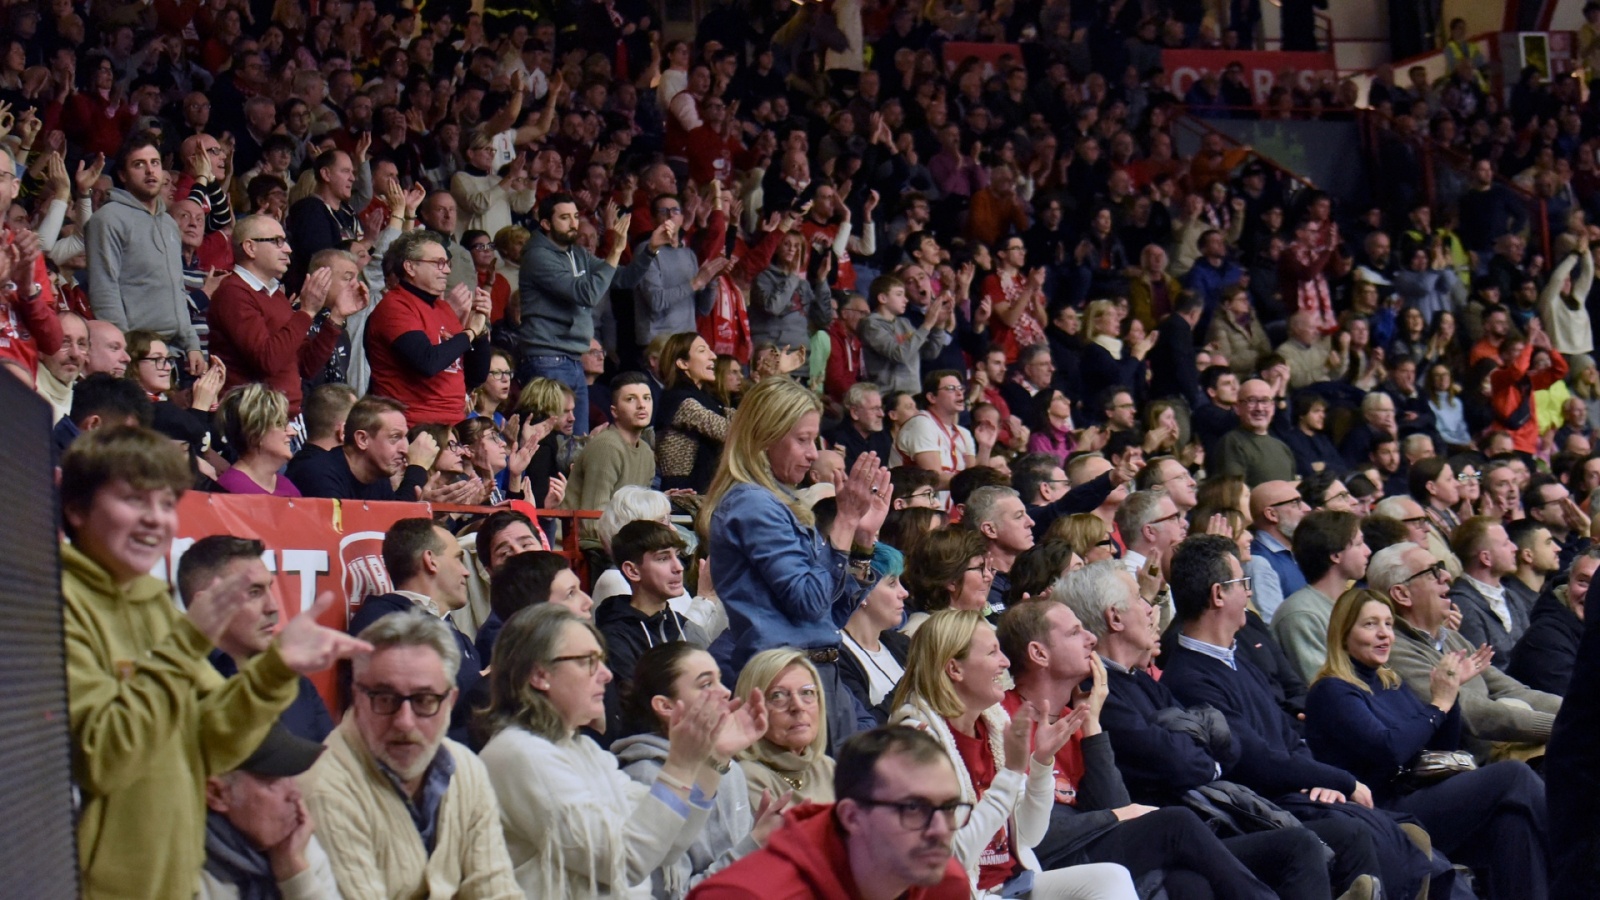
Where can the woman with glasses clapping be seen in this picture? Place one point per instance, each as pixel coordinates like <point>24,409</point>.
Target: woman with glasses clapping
<point>575,824</point>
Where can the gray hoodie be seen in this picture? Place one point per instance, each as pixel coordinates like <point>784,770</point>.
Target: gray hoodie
<point>136,270</point>
<point>726,836</point>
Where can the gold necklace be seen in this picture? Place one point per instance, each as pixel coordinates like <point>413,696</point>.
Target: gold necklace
<point>797,782</point>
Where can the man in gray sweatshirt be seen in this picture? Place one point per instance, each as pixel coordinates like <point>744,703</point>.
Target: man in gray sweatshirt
<point>671,288</point>
<point>136,255</point>
<point>561,284</point>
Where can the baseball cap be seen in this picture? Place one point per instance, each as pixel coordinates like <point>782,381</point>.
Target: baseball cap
<point>281,753</point>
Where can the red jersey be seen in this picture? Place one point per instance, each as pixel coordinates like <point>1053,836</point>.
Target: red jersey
<point>998,862</point>
<point>1069,767</point>
<point>29,328</point>
<point>436,399</point>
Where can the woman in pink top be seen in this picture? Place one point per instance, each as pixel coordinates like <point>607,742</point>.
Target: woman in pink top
<point>255,420</point>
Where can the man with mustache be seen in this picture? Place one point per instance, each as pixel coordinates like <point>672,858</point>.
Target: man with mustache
<point>443,835</point>
<point>889,834</point>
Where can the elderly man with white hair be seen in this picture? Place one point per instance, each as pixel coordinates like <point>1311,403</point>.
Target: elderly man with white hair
<point>1411,514</point>
<point>1501,718</point>
<point>999,514</point>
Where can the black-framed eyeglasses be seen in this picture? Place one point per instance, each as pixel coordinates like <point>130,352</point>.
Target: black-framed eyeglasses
<point>589,661</point>
<point>1416,520</point>
<point>983,567</point>
<point>1176,515</point>
<point>1292,500</point>
<point>1468,477</point>
<point>670,210</point>
<point>480,246</point>
<point>924,494</point>
<point>1108,542</point>
<point>1232,581</point>
<point>499,373</point>
<point>160,362</point>
<point>442,264</point>
<point>1064,482</point>
<point>278,241</point>
<point>917,815</point>
<point>1433,571</point>
<point>425,704</point>
<point>1342,495</point>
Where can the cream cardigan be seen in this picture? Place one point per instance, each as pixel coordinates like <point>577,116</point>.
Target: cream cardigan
<point>375,849</point>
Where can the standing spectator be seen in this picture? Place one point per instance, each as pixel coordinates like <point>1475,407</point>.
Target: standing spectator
<point>29,326</point>
<point>785,582</point>
<point>145,734</point>
<point>1237,333</point>
<point>862,430</point>
<point>1513,385</point>
<point>1249,451</point>
<point>894,347</point>
<point>669,289</point>
<point>619,455</point>
<point>403,809</point>
<point>427,348</point>
<point>326,218</point>
<point>486,198</point>
<point>1016,300</point>
<point>1489,210</point>
<point>1213,272</point>
<point>440,213</point>
<point>1563,303</point>
<point>785,306</point>
<point>692,426</point>
<point>257,331</point>
<point>561,284</point>
<point>1173,372</point>
<point>845,363</point>
<point>136,255</point>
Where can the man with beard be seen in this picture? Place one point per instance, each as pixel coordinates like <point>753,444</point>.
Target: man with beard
<point>862,430</point>
<point>444,832</point>
<point>136,255</point>
<point>59,371</point>
<point>561,284</point>
<point>1276,509</point>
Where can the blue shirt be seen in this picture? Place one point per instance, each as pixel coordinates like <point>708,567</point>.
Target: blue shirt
<point>782,584</point>
<point>425,810</point>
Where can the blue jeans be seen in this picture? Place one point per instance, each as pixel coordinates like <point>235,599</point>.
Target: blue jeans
<point>566,370</point>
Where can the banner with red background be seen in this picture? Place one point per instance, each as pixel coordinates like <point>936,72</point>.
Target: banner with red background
<point>312,546</point>
<point>1261,68</point>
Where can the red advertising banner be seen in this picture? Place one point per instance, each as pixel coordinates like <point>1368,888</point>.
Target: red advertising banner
<point>1262,68</point>
<point>312,546</point>
<point>990,55</point>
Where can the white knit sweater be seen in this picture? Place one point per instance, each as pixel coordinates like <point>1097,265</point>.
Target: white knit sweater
<point>575,824</point>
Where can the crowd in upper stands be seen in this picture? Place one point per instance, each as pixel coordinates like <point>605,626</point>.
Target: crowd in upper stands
<point>994,500</point>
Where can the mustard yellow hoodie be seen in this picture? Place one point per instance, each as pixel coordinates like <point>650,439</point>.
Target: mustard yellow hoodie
<point>150,720</point>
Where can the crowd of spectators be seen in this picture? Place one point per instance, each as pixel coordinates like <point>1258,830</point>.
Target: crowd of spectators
<point>994,501</point>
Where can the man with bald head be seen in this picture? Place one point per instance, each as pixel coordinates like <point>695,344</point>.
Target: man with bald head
<point>1249,451</point>
<point>108,350</point>
<point>1276,509</point>
<point>203,178</point>
<point>256,331</point>
<point>61,369</point>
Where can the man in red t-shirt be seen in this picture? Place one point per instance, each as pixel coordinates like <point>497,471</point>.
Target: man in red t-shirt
<point>29,327</point>
<point>714,144</point>
<point>428,348</point>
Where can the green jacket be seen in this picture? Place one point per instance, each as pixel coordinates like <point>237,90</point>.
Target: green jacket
<point>150,720</point>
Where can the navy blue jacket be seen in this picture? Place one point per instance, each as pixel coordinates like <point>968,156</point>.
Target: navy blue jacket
<point>1544,658</point>
<point>306,717</point>
<point>1275,760</point>
<point>1572,777</point>
<point>473,687</point>
<point>1375,733</point>
<point>1157,764</point>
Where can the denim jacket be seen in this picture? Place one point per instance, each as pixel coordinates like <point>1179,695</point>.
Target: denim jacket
<point>782,584</point>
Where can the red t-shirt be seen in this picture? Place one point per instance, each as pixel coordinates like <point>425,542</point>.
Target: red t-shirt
<point>821,238</point>
<point>1069,766</point>
<point>438,399</point>
<point>999,861</point>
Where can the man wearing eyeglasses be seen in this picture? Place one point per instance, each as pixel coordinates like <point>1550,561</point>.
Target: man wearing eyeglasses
<point>444,833</point>
<point>29,327</point>
<point>1500,716</point>
<point>1212,597</point>
<point>890,833</point>
<point>1249,451</point>
<point>1276,509</point>
<point>429,571</point>
<point>257,330</point>
<point>1151,525</point>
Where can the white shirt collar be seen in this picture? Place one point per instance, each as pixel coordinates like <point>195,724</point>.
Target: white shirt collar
<point>255,283</point>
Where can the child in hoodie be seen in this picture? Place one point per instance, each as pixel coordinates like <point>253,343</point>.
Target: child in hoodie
<point>646,553</point>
